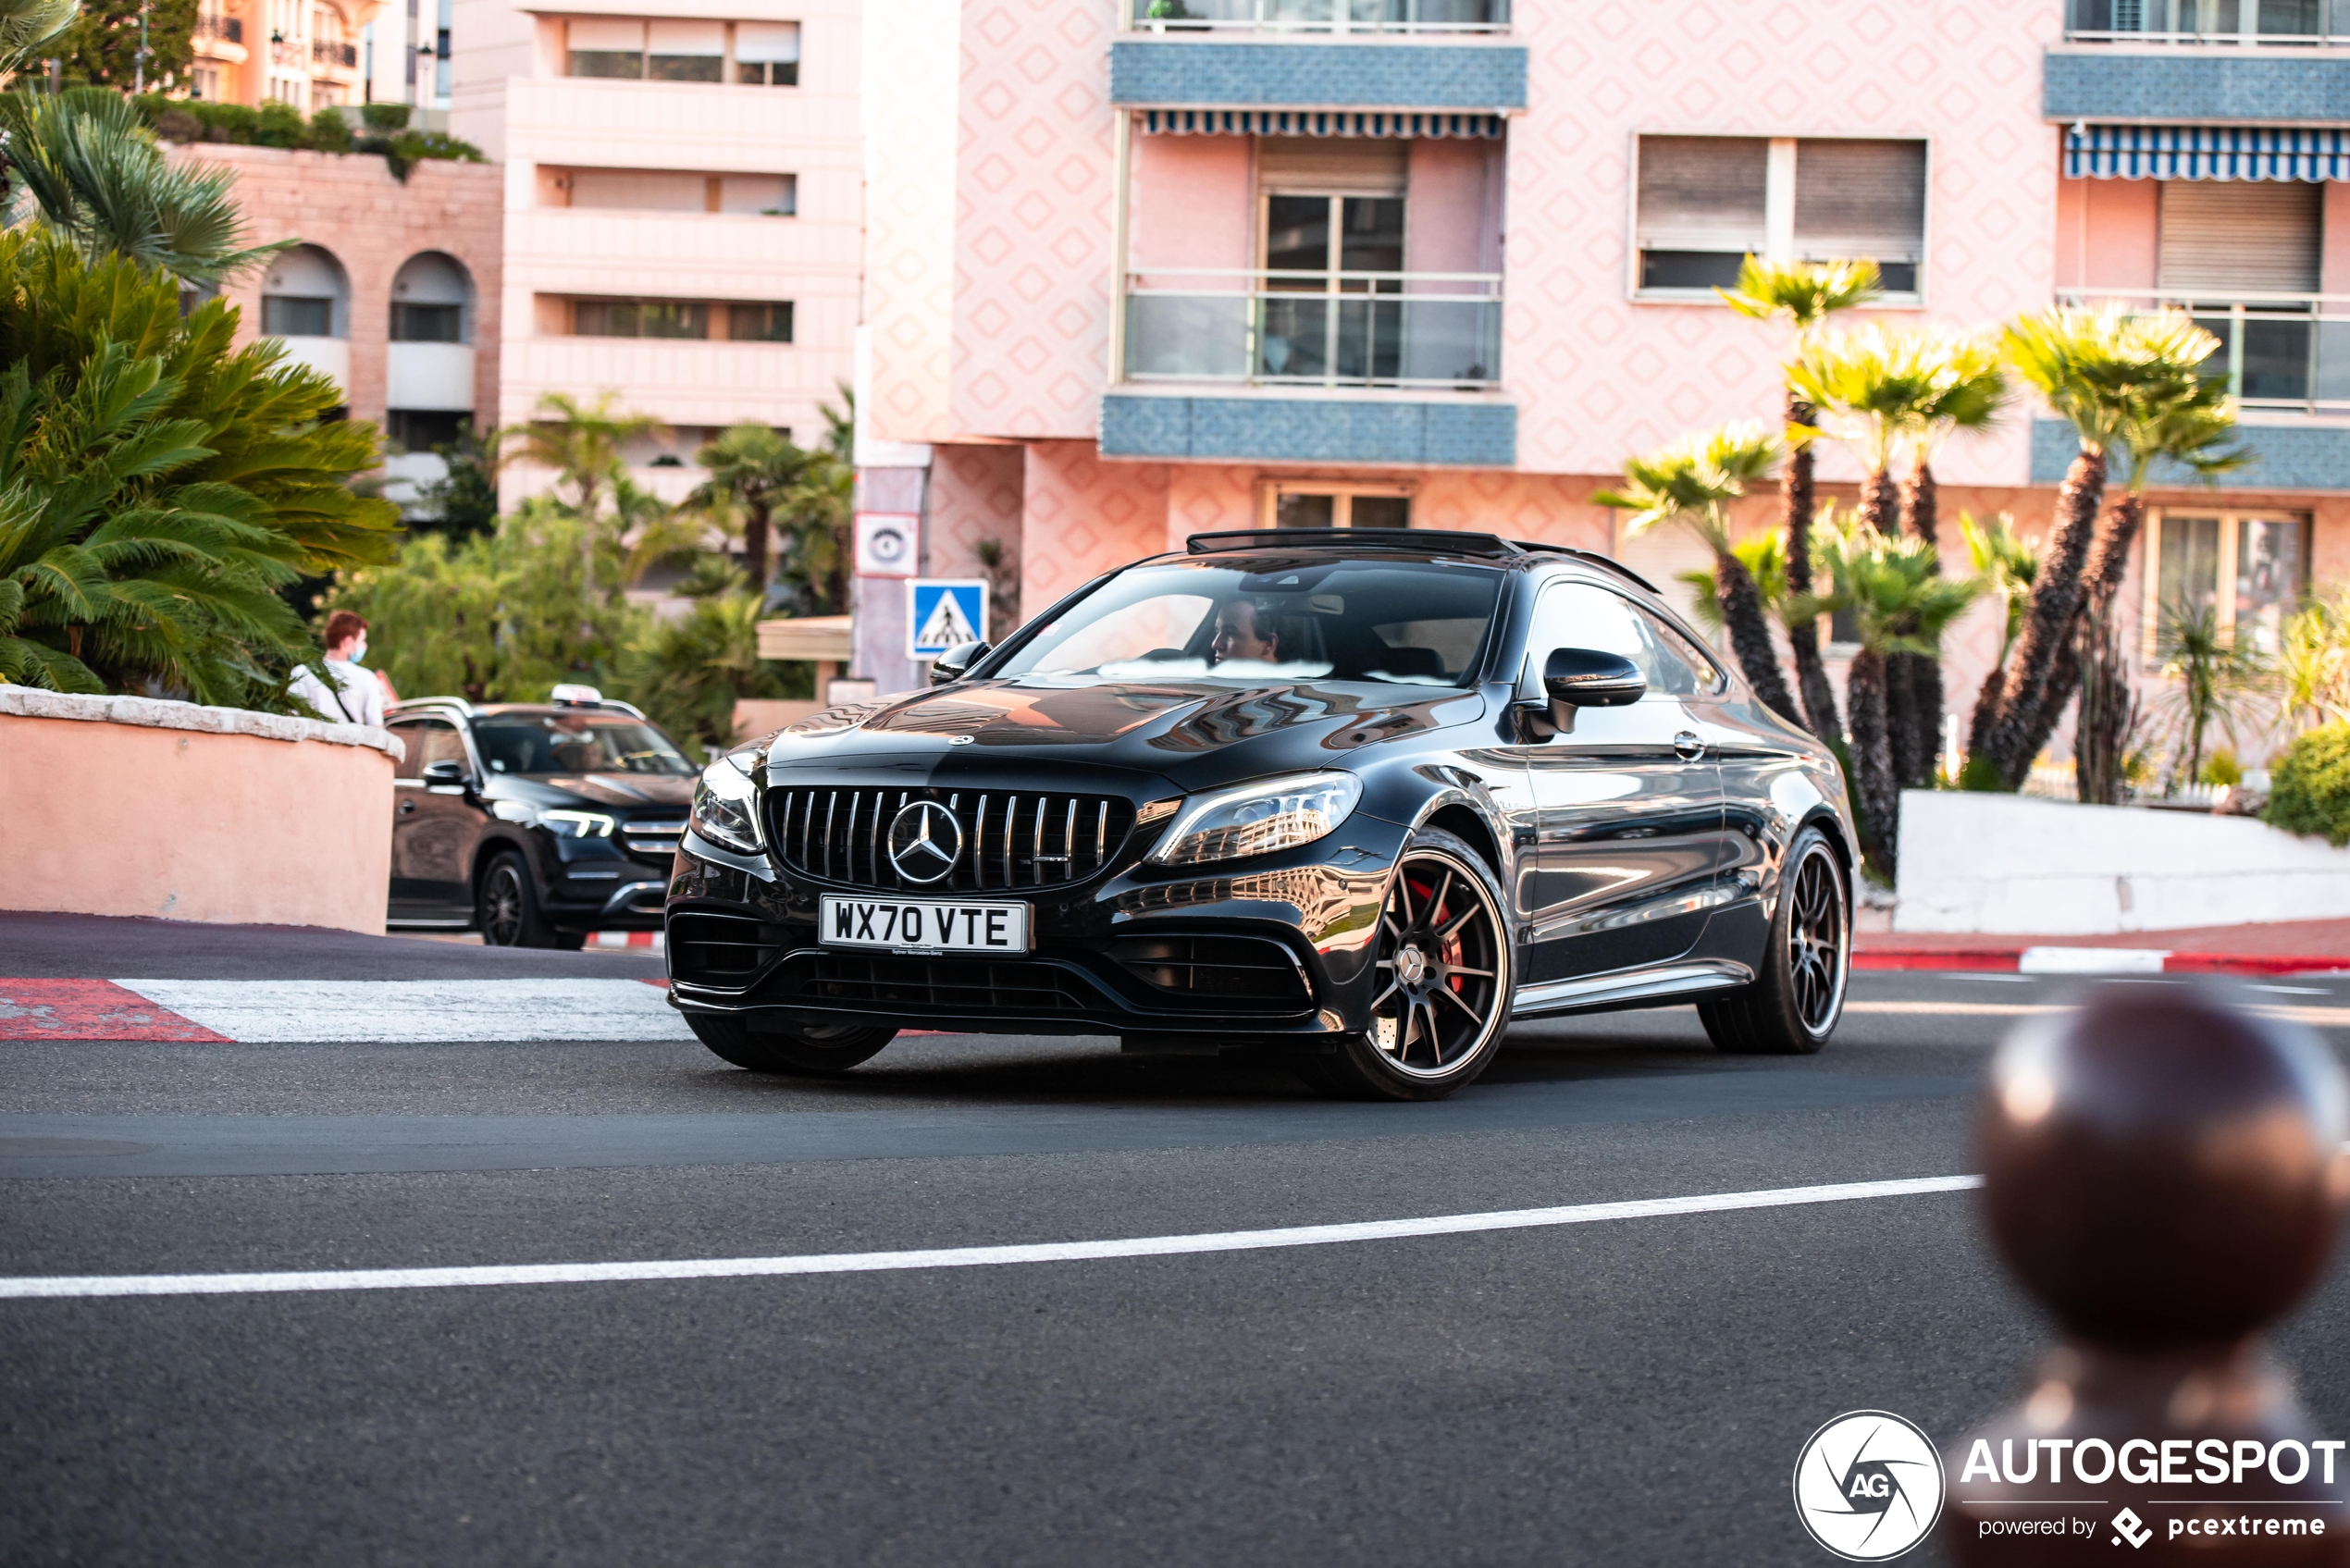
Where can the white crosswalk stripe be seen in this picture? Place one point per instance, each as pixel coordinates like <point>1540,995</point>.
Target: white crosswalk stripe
<point>400,1011</point>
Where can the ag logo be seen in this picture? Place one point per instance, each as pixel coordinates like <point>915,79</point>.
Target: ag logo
<point>1868,1485</point>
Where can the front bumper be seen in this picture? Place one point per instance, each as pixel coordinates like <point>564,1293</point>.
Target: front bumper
<point>1275,946</point>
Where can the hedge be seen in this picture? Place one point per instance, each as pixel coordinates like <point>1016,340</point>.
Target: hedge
<point>2309,786</point>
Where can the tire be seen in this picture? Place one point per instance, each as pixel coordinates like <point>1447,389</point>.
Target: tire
<point>506,908</point>
<point>570,940</point>
<point>821,1053</point>
<point>1444,958</point>
<point>1794,1003</point>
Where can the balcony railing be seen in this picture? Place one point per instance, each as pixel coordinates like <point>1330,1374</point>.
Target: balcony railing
<point>2208,24</point>
<point>229,30</point>
<point>1315,329</point>
<point>2288,352</point>
<point>1319,16</point>
<point>343,54</point>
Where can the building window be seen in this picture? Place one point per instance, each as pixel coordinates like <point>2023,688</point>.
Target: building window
<point>676,190</point>
<point>1314,504</point>
<point>1705,202</point>
<point>677,49</point>
<point>296,316</point>
<point>767,54</point>
<point>427,323</point>
<point>759,322</point>
<point>422,429</point>
<point>2249,571</point>
<point>746,321</point>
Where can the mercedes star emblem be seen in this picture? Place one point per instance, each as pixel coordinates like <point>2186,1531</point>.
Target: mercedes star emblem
<point>924,842</point>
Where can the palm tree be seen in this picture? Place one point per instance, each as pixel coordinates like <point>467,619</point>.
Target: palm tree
<point>2103,369</point>
<point>1692,482</point>
<point>583,444</point>
<point>1803,294</point>
<point>2006,564</point>
<point>2180,422</point>
<point>2215,680</point>
<point>25,25</point>
<point>95,175</point>
<point>1902,604</point>
<point>752,467</point>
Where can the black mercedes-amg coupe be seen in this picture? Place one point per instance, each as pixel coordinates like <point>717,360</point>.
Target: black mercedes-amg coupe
<point>1357,797</point>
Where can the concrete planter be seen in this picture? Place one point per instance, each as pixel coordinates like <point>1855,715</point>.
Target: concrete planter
<point>124,806</point>
<point>2004,863</point>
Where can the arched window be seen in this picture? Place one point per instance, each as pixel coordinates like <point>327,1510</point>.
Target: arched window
<point>305,294</point>
<point>432,300</point>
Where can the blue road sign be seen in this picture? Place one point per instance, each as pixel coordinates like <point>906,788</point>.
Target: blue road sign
<point>943,613</point>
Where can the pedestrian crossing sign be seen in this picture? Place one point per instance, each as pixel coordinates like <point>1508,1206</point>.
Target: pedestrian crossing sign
<point>944,613</point>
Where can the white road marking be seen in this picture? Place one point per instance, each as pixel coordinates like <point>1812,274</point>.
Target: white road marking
<point>2091,960</point>
<point>2317,1017</point>
<point>959,1257</point>
<point>435,1011</point>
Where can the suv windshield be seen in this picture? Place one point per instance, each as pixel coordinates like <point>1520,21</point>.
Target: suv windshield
<point>1271,617</point>
<point>575,743</point>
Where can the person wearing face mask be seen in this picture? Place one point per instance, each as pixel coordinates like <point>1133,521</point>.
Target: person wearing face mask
<point>346,694</point>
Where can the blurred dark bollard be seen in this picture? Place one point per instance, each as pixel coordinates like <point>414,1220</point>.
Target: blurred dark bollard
<point>2166,1174</point>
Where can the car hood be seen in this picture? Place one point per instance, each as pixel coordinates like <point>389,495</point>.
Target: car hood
<point>1191,734</point>
<point>609,790</point>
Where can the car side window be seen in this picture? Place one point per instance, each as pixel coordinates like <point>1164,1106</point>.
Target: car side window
<point>1579,615</point>
<point>1682,668</point>
<point>435,741</point>
<point>411,735</point>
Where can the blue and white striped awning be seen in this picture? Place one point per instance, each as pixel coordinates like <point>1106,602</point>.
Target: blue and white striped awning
<point>2204,152</point>
<point>1317,122</point>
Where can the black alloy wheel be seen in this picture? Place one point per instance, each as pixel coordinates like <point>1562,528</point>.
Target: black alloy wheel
<point>820,1051</point>
<point>1442,999</point>
<point>506,908</point>
<point>1796,1001</point>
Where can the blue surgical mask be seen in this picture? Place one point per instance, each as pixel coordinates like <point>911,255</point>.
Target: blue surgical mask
<point>358,650</point>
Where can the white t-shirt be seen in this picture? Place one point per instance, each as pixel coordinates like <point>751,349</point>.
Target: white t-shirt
<point>361,701</point>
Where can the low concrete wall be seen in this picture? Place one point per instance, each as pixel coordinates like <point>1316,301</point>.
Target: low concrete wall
<point>2004,863</point>
<point>123,806</point>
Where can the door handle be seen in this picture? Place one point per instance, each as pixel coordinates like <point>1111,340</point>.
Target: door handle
<point>406,807</point>
<point>1688,746</point>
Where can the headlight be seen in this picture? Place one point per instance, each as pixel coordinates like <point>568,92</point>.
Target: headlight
<point>1258,819</point>
<point>726,808</point>
<point>577,825</point>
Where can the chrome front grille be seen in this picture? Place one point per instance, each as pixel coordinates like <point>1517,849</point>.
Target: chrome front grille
<point>1011,839</point>
<point>647,836</point>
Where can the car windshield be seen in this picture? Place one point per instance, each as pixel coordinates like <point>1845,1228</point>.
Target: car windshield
<point>575,743</point>
<point>1271,617</point>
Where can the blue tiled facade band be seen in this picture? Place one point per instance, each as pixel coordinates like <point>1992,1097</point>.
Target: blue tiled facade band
<point>1310,430</point>
<point>2284,457</point>
<point>1176,73</point>
<point>2185,85</point>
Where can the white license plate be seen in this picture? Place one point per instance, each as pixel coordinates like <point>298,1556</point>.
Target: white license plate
<point>925,925</point>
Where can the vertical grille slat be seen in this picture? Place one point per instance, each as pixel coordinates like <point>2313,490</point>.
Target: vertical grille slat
<point>841,833</point>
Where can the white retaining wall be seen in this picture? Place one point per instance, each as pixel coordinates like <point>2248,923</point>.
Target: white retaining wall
<point>1975,862</point>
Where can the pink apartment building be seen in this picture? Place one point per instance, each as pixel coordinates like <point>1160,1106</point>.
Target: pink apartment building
<point>1444,263</point>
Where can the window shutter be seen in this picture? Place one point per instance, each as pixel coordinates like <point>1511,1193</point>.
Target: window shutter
<point>607,35</point>
<point>2237,236</point>
<point>687,37</point>
<point>1859,199</point>
<point>1334,165</point>
<point>758,44</point>
<point>1703,193</point>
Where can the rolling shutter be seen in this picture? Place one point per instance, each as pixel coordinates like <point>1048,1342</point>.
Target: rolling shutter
<point>767,43</point>
<point>2240,236</point>
<point>1859,199</point>
<point>607,35</point>
<point>1703,193</point>
<point>1332,166</point>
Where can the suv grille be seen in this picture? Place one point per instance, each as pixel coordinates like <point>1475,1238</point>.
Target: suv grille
<point>1009,840</point>
<point>649,835</point>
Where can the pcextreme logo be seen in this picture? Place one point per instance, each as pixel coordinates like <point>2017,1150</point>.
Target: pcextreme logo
<point>1868,1485</point>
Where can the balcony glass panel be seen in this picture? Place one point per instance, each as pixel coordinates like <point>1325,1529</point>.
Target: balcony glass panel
<point>1319,16</point>
<point>2277,352</point>
<point>1330,329</point>
<point>2210,23</point>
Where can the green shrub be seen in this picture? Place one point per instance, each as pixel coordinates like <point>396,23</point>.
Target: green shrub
<point>329,132</point>
<point>2309,786</point>
<point>2221,768</point>
<point>385,118</point>
<point>281,126</point>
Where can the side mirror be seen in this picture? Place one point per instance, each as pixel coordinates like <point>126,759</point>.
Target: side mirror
<point>1584,678</point>
<point>448,770</point>
<point>950,665</point>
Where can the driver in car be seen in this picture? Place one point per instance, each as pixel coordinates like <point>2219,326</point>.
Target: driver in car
<point>1245,633</point>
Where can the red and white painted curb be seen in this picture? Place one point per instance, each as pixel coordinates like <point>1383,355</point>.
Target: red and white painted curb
<point>2056,960</point>
<point>222,1012</point>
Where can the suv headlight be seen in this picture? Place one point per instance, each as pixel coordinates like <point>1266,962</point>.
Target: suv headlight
<point>577,825</point>
<point>726,808</point>
<point>1258,819</point>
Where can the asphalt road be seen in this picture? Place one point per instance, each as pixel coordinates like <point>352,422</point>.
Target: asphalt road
<point>1628,1391</point>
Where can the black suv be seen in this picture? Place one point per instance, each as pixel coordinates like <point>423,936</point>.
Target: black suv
<point>1357,797</point>
<point>534,823</point>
